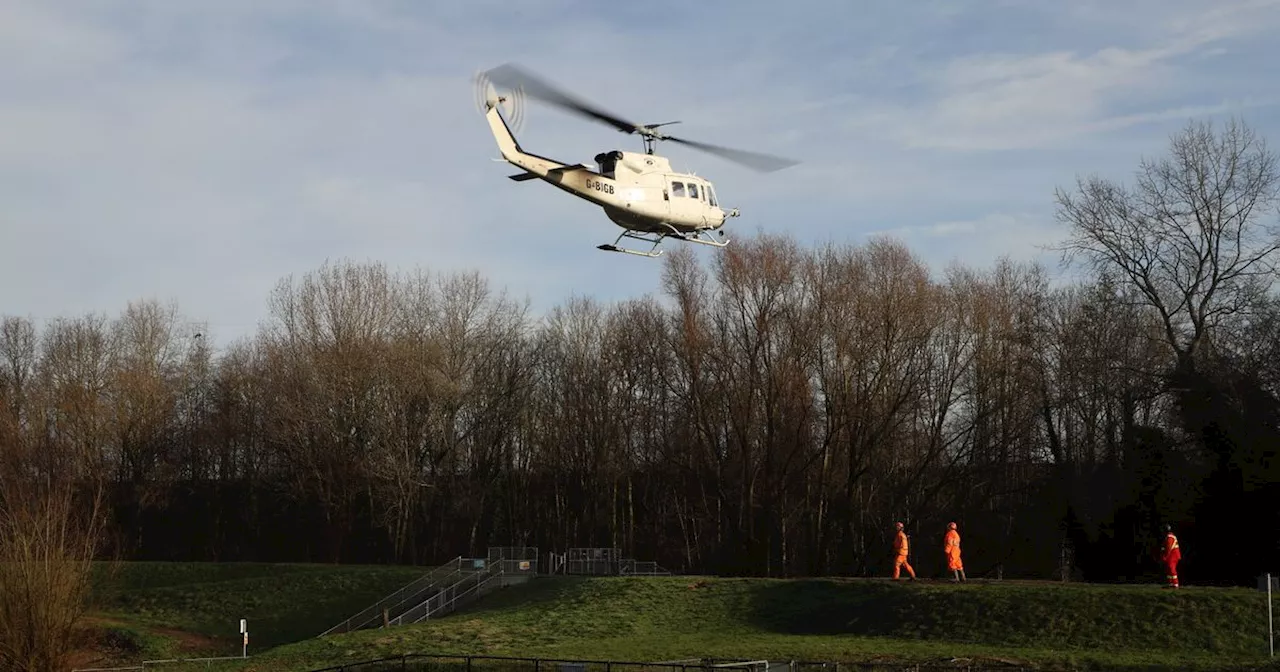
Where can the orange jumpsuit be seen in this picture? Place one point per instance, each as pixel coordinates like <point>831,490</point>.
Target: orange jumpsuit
<point>951,546</point>
<point>1172,554</point>
<point>901,546</point>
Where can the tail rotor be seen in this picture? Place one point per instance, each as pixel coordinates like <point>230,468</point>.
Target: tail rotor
<point>510,103</point>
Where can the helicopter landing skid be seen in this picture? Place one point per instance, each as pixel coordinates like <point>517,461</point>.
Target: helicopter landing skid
<point>702,237</point>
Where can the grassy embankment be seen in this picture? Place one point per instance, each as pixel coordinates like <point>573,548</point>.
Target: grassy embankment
<point>157,610</point>
<point>647,619</point>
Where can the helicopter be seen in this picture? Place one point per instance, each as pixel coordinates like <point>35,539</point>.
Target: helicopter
<point>639,192</point>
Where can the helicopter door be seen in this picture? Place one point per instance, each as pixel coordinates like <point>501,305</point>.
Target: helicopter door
<point>683,199</point>
<point>700,193</point>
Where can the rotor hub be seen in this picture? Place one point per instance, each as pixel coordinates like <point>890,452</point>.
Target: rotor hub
<point>509,102</point>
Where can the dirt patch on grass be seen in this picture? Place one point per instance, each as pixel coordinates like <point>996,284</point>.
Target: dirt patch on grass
<point>190,642</point>
<point>108,642</point>
<point>103,643</point>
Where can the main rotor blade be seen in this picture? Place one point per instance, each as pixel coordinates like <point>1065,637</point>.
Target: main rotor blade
<point>512,77</point>
<point>761,162</point>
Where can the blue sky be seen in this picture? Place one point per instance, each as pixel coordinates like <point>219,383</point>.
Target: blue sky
<point>201,151</point>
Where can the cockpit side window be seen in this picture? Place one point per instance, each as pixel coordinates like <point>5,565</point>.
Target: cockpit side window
<point>711,195</point>
<point>693,190</point>
<point>677,188</point>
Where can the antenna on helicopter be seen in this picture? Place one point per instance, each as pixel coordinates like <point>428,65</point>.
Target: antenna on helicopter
<point>512,77</point>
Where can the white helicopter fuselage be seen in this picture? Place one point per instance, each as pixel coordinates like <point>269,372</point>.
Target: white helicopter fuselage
<point>638,191</point>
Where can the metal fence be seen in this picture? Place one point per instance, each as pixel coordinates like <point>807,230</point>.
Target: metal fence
<point>594,561</point>
<point>146,664</point>
<point>518,553</point>
<point>437,663</point>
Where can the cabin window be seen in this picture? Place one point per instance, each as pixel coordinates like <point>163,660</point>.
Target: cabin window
<point>677,188</point>
<point>693,190</point>
<point>711,195</point>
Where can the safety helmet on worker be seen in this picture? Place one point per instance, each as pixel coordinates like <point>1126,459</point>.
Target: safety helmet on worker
<point>951,526</point>
<point>898,525</point>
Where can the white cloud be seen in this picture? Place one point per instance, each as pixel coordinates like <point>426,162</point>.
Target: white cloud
<point>1003,101</point>
<point>979,242</point>
<point>202,150</point>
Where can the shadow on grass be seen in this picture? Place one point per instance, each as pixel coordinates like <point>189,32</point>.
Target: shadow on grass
<point>1054,617</point>
<point>283,603</point>
<point>826,607</point>
<point>541,591</point>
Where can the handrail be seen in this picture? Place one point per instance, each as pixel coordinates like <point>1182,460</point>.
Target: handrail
<point>445,596</point>
<point>438,590</point>
<point>458,598</point>
<point>444,604</point>
<point>446,579</point>
<point>424,605</point>
<point>370,613</point>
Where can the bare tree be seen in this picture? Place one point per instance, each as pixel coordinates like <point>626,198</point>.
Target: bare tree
<point>327,368</point>
<point>49,536</point>
<point>148,355</point>
<point>75,375</point>
<point>17,367</point>
<point>1197,236</point>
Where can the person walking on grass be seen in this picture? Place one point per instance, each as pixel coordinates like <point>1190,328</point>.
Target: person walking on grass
<point>901,547</point>
<point>951,547</point>
<point>1170,554</point>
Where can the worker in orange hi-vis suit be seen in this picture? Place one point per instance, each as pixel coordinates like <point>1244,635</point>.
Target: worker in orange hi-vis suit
<point>1171,555</point>
<point>951,546</point>
<point>901,547</point>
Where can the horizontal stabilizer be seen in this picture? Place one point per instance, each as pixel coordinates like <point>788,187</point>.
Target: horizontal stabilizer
<point>523,176</point>
<point>575,166</point>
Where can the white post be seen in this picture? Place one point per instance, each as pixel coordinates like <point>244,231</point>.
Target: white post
<point>244,630</point>
<point>1271,632</point>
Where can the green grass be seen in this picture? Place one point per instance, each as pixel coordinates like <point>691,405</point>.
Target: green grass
<point>159,609</point>
<point>663,618</point>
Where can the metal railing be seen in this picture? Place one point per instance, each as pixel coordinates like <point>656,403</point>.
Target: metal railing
<point>630,567</point>
<point>460,594</point>
<point>442,589</point>
<point>497,553</point>
<point>441,663</point>
<point>207,661</point>
<point>441,595</point>
<point>410,594</point>
<point>594,561</point>
<point>602,561</point>
<point>467,589</point>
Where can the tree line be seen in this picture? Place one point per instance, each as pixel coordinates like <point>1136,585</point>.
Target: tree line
<point>770,411</point>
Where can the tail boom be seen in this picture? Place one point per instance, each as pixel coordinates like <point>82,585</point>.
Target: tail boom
<point>577,179</point>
